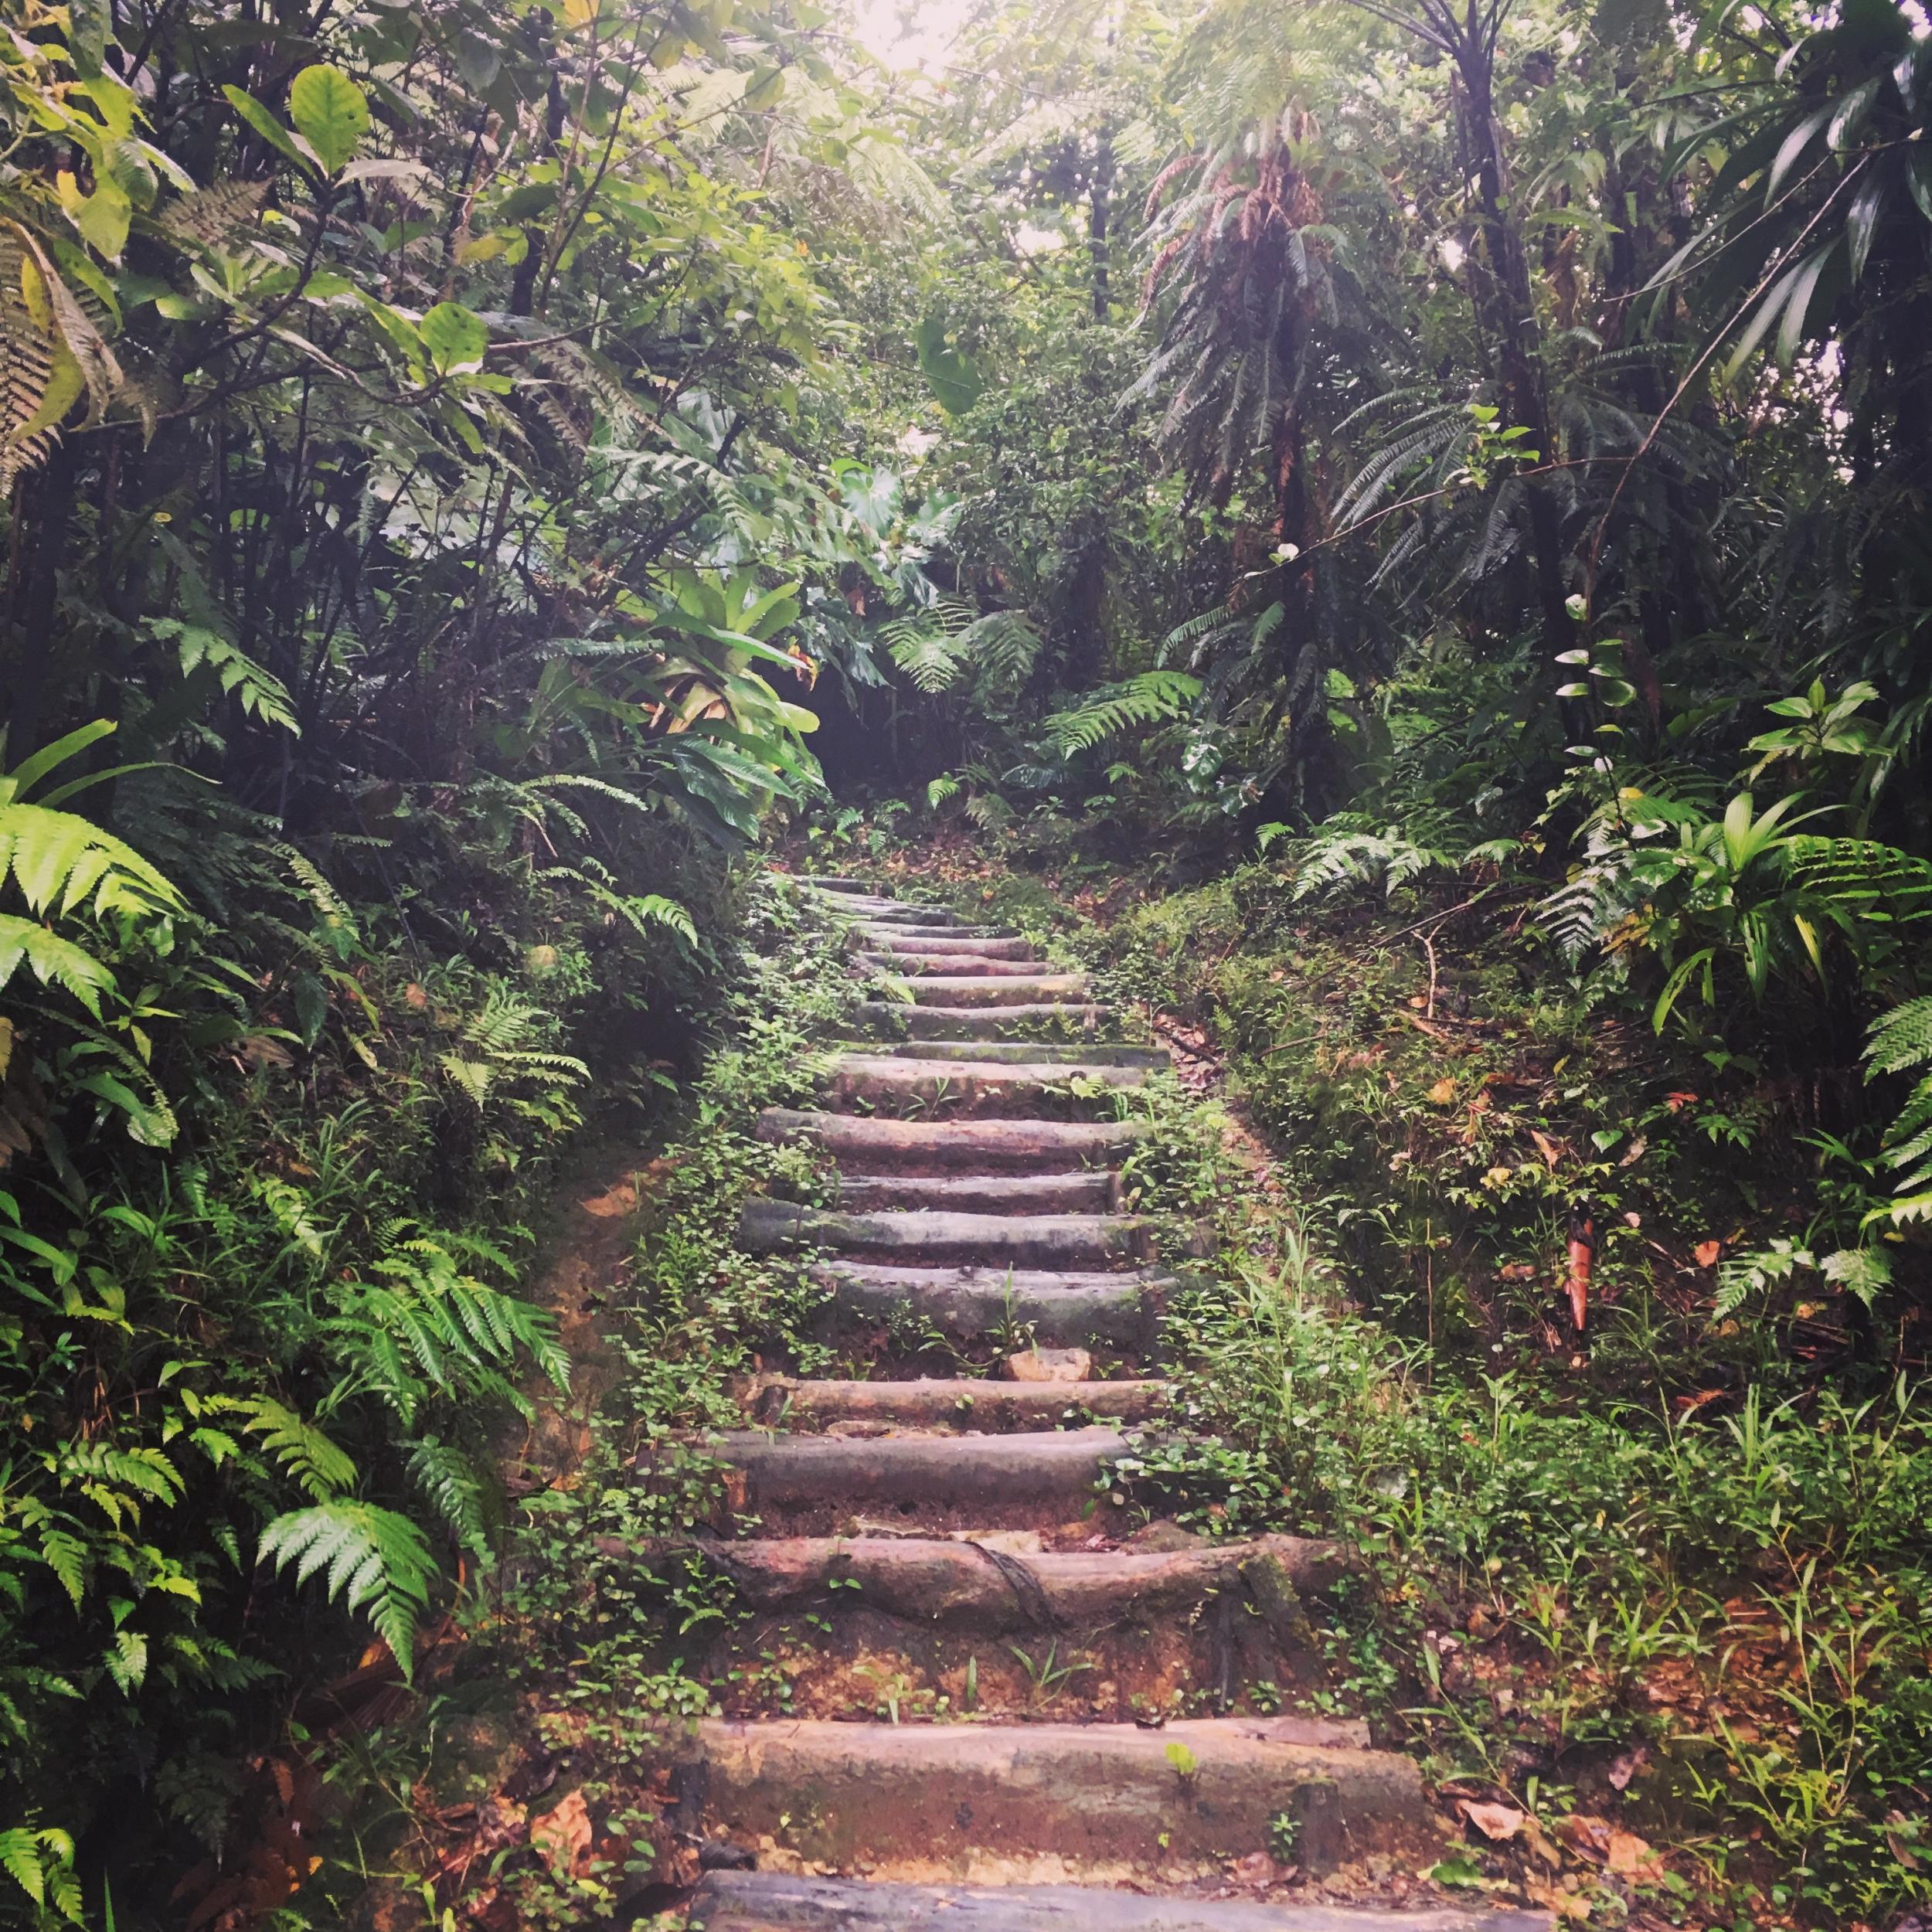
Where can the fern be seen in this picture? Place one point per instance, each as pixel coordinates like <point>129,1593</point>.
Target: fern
<point>259,692</point>
<point>305,1454</point>
<point>375,1560</point>
<point>1901,1041</point>
<point>1154,697</point>
<point>40,1860</point>
<point>448,1482</point>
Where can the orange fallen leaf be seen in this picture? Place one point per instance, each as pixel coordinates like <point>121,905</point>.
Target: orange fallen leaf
<point>1551,1150</point>
<point>1443,1092</point>
<point>1631,1857</point>
<point>1707,1252</point>
<point>563,1835</point>
<point>1498,1823</point>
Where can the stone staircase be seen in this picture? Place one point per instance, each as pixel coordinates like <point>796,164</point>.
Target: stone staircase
<point>942,1548</point>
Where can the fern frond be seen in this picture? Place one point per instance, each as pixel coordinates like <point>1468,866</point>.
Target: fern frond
<point>374,1559</point>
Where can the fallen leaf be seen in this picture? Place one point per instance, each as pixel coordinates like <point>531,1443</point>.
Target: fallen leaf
<point>1443,1092</point>
<point>1498,1823</point>
<point>1551,1150</point>
<point>1586,1835</point>
<point>1627,1768</point>
<point>563,1835</point>
<point>1707,1252</point>
<point>1631,1857</point>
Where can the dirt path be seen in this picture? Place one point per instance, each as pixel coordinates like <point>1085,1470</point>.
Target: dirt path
<point>951,1550</point>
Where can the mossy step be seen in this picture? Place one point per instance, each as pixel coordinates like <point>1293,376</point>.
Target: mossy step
<point>907,964</point>
<point>976,1088</point>
<point>948,939</point>
<point>1057,1309</point>
<point>1112,1801</point>
<point>788,1902</point>
<point>1045,1020</point>
<point>975,1402</point>
<point>1030,989</point>
<point>1017,1053</point>
<point>931,1236</point>
<point>867,1143</point>
<point>1089,1192</point>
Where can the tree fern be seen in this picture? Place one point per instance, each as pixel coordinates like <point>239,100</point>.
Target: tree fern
<point>260,693</point>
<point>374,1559</point>
<point>448,1482</point>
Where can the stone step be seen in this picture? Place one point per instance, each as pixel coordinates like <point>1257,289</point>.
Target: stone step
<point>1058,1020</point>
<point>788,1902</point>
<point>1094,1192</point>
<point>1070,1310</point>
<point>962,1584</point>
<point>950,965</point>
<point>1052,1470</point>
<point>975,1088</point>
<point>781,1901</point>
<point>893,911</point>
<point>949,940</point>
<point>932,1237</point>
<point>976,1403</point>
<point>1016,1053</point>
<point>895,929</point>
<point>879,1146</point>
<point>832,882</point>
<point>1110,1801</point>
<point>953,989</point>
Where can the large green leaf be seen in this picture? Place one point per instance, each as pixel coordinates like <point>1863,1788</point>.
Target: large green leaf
<point>955,378</point>
<point>331,113</point>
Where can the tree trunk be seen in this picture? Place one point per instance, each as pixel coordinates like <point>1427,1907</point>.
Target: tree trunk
<point>1099,198</point>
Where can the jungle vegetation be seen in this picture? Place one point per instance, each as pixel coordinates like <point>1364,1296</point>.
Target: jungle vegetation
<point>1395,476</point>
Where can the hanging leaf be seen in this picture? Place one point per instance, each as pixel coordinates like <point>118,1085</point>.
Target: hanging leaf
<point>954,376</point>
<point>454,338</point>
<point>331,113</point>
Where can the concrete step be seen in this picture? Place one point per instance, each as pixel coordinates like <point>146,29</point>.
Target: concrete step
<point>952,989</point>
<point>1090,1193</point>
<point>788,1902</point>
<point>1017,1053</point>
<point>1056,1020</point>
<point>1110,1801</point>
<point>1051,1470</point>
<point>1061,1310</point>
<point>975,1088</point>
<point>930,1237</point>
<point>951,965</point>
<point>962,1583</point>
<point>944,940</point>
<point>878,1146</point>
<point>977,1402</point>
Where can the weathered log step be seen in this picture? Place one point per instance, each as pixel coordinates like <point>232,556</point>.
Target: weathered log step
<point>1057,1020</point>
<point>960,1584</point>
<point>978,940</point>
<point>894,930</point>
<point>1018,1052</point>
<point>932,1237</point>
<point>1109,1800</point>
<point>976,1088</point>
<point>954,989</point>
<point>878,1146</point>
<point>1053,1469</point>
<point>950,965</point>
<point>885,911</point>
<point>976,1403</point>
<point>828,881</point>
<point>1062,1309</point>
<point>1094,1192</point>
<point>788,1902</point>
